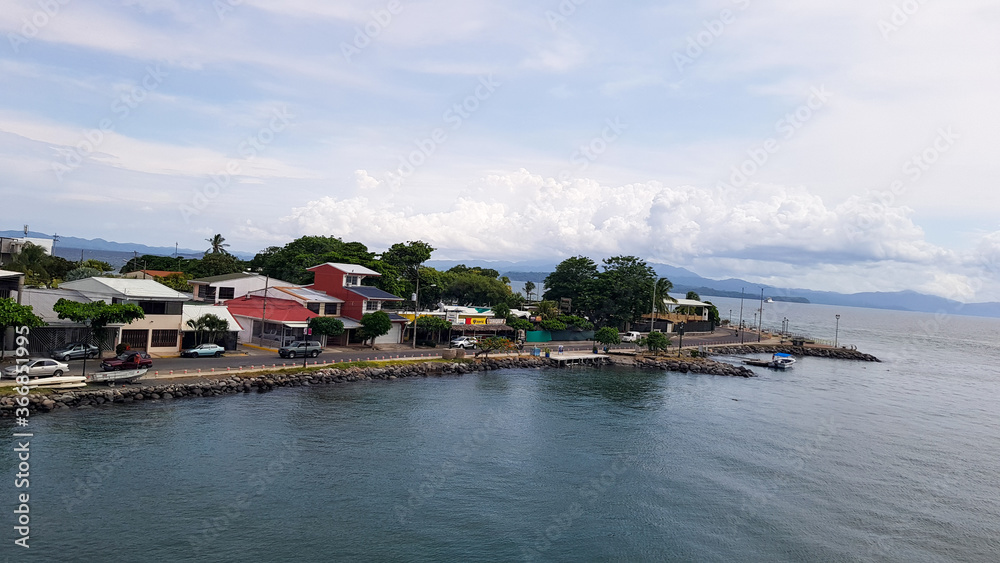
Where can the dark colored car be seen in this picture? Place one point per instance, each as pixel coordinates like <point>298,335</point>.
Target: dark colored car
<point>310,348</point>
<point>128,360</point>
<point>74,351</point>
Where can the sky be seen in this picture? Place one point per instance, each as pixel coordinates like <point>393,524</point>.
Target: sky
<point>841,145</point>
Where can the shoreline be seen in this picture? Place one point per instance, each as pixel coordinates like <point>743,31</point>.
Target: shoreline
<point>231,384</point>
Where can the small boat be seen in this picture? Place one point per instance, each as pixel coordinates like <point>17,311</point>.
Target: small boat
<point>781,360</point>
<point>112,377</point>
<point>769,300</point>
<point>57,382</point>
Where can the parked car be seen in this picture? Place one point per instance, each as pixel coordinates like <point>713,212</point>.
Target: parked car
<point>310,348</point>
<point>128,360</point>
<point>36,368</point>
<point>630,336</point>
<point>203,350</point>
<point>74,351</point>
<point>464,342</point>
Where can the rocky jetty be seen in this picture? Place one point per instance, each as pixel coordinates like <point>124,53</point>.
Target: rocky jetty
<point>693,365</point>
<point>820,352</point>
<point>98,396</point>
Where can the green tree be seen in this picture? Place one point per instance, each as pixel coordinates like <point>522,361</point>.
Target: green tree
<point>289,262</point>
<point>579,322</point>
<point>572,278</point>
<point>657,342</point>
<point>163,263</point>
<point>81,273</point>
<point>518,323</point>
<point>16,315</point>
<point>494,344</point>
<point>548,310</point>
<point>98,315</point>
<point>607,335</point>
<point>216,264</point>
<point>374,325</point>
<point>406,259</point>
<point>529,287</point>
<point>623,291</point>
<point>501,310</point>
<point>31,261</point>
<point>552,324</point>
<point>218,243</point>
<point>329,326</point>
<point>96,264</point>
<point>692,295</point>
<point>177,282</point>
<point>428,323</point>
<point>208,327</point>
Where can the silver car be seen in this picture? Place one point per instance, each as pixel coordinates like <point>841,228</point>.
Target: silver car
<point>74,351</point>
<point>38,367</point>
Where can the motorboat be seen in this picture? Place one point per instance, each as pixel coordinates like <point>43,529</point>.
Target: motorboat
<point>780,360</point>
<point>59,382</point>
<point>113,377</point>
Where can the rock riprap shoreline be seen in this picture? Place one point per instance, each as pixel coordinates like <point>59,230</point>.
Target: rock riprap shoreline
<point>693,365</point>
<point>91,397</point>
<point>819,352</point>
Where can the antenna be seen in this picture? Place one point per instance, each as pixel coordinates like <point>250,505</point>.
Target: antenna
<point>26,230</point>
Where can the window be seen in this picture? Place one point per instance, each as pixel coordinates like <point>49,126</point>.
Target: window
<point>352,280</point>
<point>226,293</point>
<point>314,307</point>
<point>333,308</point>
<point>373,305</point>
<point>164,338</point>
<point>153,307</point>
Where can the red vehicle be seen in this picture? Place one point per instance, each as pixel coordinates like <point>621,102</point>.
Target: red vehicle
<point>128,360</point>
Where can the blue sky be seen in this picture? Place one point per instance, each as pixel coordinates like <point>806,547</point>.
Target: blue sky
<point>840,145</point>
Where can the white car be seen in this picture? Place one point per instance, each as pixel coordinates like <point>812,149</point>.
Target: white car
<point>37,368</point>
<point>631,336</point>
<point>464,342</point>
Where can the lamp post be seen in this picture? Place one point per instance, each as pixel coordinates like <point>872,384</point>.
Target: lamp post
<point>836,334</point>
<point>263,313</point>
<point>740,330</point>
<point>416,302</point>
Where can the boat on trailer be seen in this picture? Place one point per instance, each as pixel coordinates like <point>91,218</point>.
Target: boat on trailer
<point>57,382</point>
<point>113,377</point>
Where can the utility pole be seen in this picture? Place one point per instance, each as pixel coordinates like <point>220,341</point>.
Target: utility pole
<point>416,300</point>
<point>760,321</point>
<point>740,329</point>
<point>263,314</point>
<point>836,334</point>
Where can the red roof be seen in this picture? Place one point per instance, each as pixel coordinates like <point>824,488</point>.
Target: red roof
<point>278,310</point>
<point>160,273</point>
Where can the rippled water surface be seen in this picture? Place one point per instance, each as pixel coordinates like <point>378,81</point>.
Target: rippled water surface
<point>832,461</point>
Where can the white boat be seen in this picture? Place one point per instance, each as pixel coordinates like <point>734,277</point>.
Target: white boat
<point>769,300</point>
<point>112,377</point>
<point>58,382</point>
<point>781,360</point>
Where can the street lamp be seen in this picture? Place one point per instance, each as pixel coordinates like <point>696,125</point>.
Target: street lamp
<point>837,333</point>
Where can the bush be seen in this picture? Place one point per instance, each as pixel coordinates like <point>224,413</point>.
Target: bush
<point>427,343</point>
<point>552,324</point>
<point>120,348</point>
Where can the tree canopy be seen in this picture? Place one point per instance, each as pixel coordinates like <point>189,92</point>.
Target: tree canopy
<point>329,326</point>
<point>572,278</point>
<point>98,315</point>
<point>208,327</point>
<point>14,314</point>
<point>374,325</point>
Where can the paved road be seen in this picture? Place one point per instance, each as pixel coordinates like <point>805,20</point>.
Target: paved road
<point>258,358</point>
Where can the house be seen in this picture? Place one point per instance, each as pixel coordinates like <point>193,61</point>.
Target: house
<point>11,284</point>
<point>270,322</point>
<point>315,301</point>
<point>160,331</point>
<point>694,314</point>
<point>217,289</point>
<point>344,281</point>
<point>10,247</point>
<point>194,311</point>
<point>149,274</point>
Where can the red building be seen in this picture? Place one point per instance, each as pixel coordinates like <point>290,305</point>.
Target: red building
<point>343,281</point>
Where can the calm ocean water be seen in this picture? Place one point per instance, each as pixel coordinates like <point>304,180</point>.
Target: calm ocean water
<point>832,461</point>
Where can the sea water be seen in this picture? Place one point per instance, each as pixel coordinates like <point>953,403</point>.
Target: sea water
<point>830,461</point>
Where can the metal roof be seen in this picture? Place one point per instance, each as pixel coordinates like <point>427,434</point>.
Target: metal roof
<point>42,301</point>
<point>192,312</point>
<point>126,288</point>
<point>306,294</point>
<point>353,269</point>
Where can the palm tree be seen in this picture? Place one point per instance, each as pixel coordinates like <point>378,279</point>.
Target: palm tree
<point>218,243</point>
<point>661,296</point>
<point>31,261</point>
<point>529,286</point>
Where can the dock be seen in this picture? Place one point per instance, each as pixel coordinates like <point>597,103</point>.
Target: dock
<point>577,359</point>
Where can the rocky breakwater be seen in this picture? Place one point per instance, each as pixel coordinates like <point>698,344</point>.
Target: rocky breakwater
<point>91,397</point>
<point>693,365</point>
<point>816,351</point>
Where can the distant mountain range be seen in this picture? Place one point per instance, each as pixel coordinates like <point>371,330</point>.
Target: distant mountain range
<point>76,243</point>
<point>684,280</point>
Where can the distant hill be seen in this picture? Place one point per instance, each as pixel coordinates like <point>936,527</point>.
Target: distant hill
<point>128,247</point>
